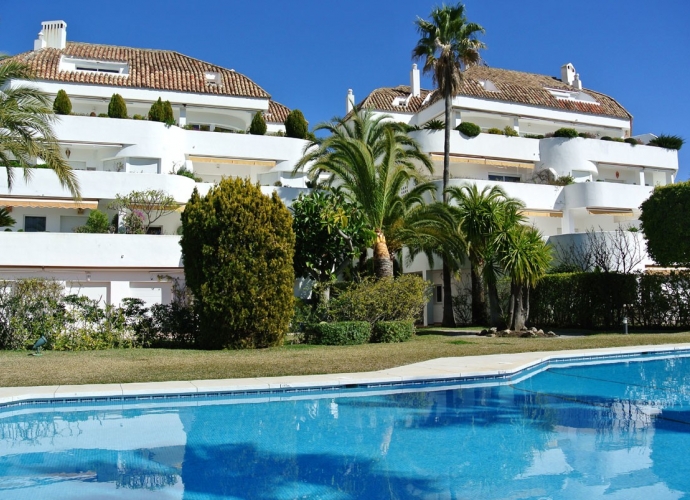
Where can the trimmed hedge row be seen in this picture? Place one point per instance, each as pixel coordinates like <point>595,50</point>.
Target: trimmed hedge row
<point>358,332</point>
<point>392,331</point>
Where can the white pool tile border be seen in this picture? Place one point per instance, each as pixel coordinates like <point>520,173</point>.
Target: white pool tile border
<point>435,370</point>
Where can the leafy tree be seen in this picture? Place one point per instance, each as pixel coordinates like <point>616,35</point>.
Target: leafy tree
<point>371,160</point>
<point>668,238</point>
<point>295,125</point>
<point>146,206</point>
<point>96,223</point>
<point>238,247</point>
<point>258,125</point>
<point>62,105</point>
<point>448,43</point>
<point>329,233</point>
<point>117,107</point>
<point>6,219</point>
<point>26,120</point>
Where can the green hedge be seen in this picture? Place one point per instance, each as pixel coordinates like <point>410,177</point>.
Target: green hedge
<point>469,129</point>
<point>392,331</point>
<point>340,333</point>
<point>565,132</point>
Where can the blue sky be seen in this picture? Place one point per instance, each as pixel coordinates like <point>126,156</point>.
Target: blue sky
<point>306,54</point>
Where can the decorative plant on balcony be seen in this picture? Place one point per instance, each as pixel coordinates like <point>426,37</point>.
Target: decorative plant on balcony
<point>587,135</point>
<point>668,141</point>
<point>148,205</point>
<point>162,112</point>
<point>258,125</point>
<point>469,129</point>
<point>295,125</point>
<point>533,136</point>
<point>633,141</point>
<point>96,223</point>
<point>117,107</point>
<point>62,105</point>
<point>567,133</point>
<point>434,125</point>
<point>494,131</point>
<point>6,219</point>
<point>509,131</point>
<point>563,180</point>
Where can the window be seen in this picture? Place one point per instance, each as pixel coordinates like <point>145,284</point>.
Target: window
<point>439,293</point>
<point>504,178</point>
<point>155,230</point>
<point>68,63</point>
<point>213,78</point>
<point>34,224</point>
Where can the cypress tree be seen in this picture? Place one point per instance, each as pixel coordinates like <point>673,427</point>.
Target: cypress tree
<point>117,107</point>
<point>62,105</point>
<point>156,111</point>
<point>168,115</point>
<point>237,247</point>
<point>295,125</point>
<point>258,126</point>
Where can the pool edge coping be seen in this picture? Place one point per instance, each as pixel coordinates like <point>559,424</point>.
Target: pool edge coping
<point>491,367</point>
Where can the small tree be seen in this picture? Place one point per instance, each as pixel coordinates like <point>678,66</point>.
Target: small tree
<point>666,225</point>
<point>147,206</point>
<point>258,126</point>
<point>168,115</point>
<point>237,247</point>
<point>156,111</point>
<point>96,223</point>
<point>117,107</point>
<point>295,125</point>
<point>62,105</point>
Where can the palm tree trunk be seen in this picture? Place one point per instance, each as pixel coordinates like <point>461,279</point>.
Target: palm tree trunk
<point>448,316</point>
<point>383,264</point>
<point>511,311</point>
<point>519,316</point>
<point>478,299</point>
<point>494,306</point>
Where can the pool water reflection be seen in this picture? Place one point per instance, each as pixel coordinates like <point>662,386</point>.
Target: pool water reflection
<point>610,430</point>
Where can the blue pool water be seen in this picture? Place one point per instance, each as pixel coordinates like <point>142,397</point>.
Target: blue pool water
<point>615,430</point>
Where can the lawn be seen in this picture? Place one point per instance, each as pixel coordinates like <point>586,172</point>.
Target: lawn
<point>148,365</point>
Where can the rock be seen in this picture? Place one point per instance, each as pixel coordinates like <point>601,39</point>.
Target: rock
<point>551,334</point>
<point>533,329</point>
<point>493,329</point>
<point>528,334</point>
<point>540,332</point>
<point>505,332</point>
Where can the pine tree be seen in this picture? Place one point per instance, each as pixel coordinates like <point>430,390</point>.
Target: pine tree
<point>117,107</point>
<point>258,126</point>
<point>62,105</point>
<point>295,125</point>
<point>237,246</point>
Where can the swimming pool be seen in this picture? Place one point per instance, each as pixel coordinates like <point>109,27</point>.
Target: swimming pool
<point>584,428</point>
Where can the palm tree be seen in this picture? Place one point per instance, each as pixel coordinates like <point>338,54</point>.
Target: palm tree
<point>370,160</point>
<point>6,219</point>
<point>26,133</point>
<point>448,44</point>
<point>526,260</point>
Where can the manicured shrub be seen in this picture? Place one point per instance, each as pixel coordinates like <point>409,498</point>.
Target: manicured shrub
<point>138,117</point>
<point>568,133</point>
<point>295,125</point>
<point>237,246</point>
<point>392,331</point>
<point>258,125</point>
<point>617,139</point>
<point>434,125</point>
<point>469,129</point>
<point>533,136</point>
<point>338,333</point>
<point>668,141</point>
<point>62,105</point>
<point>666,225</point>
<point>96,223</point>
<point>168,115</point>
<point>162,112</point>
<point>400,299</point>
<point>587,135</point>
<point>117,107</point>
<point>606,138</point>
<point>633,141</point>
<point>495,131</point>
<point>509,131</point>
<point>102,115</point>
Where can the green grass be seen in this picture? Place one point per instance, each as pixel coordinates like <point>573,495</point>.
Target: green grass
<point>148,365</point>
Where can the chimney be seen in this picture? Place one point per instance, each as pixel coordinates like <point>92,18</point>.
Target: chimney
<point>350,104</point>
<point>578,83</point>
<point>568,74</point>
<point>415,88</point>
<point>53,35</point>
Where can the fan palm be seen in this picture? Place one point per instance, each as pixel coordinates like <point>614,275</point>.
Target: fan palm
<point>370,160</point>
<point>448,43</point>
<point>26,133</point>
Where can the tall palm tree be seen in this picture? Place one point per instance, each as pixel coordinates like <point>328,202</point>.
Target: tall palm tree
<point>26,133</point>
<point>370,160</point>
<point>526,260</point>
<point>448,44</point>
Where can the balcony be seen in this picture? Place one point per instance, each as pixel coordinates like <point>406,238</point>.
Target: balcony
<point>605,195</point>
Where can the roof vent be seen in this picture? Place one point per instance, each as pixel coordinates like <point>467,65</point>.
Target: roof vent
<point>415,86</point>
<point>53,35</point>
<point>350,101</point>
<point>568,74</point>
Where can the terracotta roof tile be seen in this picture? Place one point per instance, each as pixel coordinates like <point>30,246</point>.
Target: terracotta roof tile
<point>512,86</point>
<point>148,69</point>
<point>277,113</point>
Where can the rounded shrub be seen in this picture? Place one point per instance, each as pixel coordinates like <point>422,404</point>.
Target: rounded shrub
<point>632,140</point>
<point>117,107</point>
<point>295,125</point>
<point>339,333</point>
<point>62,105</point>
<point>469,129</point>
<point>606,138</point>
<point>168,115</point>
<point>567,133</point>
<point>392,331</point>
<point>509,131</point>
<point>258,125</point>
<point>495,131</point>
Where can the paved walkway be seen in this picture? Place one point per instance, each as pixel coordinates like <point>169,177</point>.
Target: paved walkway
<point>435,369</point>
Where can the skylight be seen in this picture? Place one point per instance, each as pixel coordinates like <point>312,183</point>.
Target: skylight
<point>488,85</point>
<point>93,66</point>
<point>572,95</point>
<point>213,78</point>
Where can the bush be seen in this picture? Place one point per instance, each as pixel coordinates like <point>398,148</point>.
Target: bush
<point>162,112</point>
<point>117,107</point>
<point>495,131</point>
<point>434,125</point>
<point>509,131</point>
<point>533,136</point>
<point>62,105</point>
<point>340,333</point>
<point>102,115</point>
<point>563,180</point>
<point>96,223</point>
<point>400,299</point>
<point>238,246</point>
<point>666,226</point>
<point>469,129</point>
<point>258,125</point>
<point>568,133</point>
<point>587,135</point>
<point>392,331</point>
<point>295,125</point>
<point>617,139</point>
<point>668,141</point>
<point>633,141</point>
<point>138,117</point>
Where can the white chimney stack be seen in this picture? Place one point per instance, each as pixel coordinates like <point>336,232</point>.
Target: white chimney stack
<point>415,86</point>
<point>578,83</point>
<point>350,104</point>
<point>53,35</point>
<point>568,74</point>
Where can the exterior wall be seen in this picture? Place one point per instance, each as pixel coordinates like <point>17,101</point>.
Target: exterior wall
<point>636,243</point>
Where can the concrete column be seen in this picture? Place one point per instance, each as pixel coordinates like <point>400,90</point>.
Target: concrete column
<point>457,118</point>
<point>641,177</point>
<point>183,115</point>
<point>119,290</point>
<point>567,222</point>
<point>516,124</point>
